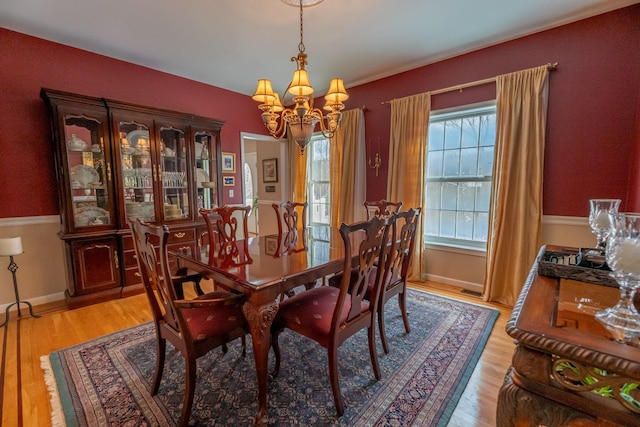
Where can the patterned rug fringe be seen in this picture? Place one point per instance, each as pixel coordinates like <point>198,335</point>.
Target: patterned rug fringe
<point>57,415</point>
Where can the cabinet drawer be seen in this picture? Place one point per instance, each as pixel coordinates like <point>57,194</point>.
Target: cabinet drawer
<point>132,276</point>
<point>130,259</point>
<point>182,235</point>
<point>175,236</point>
<point>127,243</point>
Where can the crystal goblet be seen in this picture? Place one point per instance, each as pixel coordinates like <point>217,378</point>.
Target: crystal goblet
<point>599,219</point>
<point>623,257</point>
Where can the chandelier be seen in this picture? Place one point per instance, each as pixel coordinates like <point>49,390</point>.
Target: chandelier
<point>303,117</point>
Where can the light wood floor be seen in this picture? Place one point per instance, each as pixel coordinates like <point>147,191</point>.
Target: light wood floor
<point>24,399</point>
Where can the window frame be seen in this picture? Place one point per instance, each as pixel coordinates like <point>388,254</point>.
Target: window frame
<point>458,112</point>
<point>310,182</point>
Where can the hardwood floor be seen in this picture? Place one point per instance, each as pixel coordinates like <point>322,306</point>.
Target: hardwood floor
<point>24,399</point>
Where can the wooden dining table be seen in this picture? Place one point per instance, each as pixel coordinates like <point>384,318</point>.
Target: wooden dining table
<point>262,268</point>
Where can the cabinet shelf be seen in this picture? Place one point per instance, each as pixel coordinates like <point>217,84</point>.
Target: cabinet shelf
<point>129,175</point>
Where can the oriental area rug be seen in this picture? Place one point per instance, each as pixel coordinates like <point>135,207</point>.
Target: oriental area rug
<point>105,382</point>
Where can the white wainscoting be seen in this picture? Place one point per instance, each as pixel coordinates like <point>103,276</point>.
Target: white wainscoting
<point>41,272</point>
<point>465,268</point>
<point>42,278</point>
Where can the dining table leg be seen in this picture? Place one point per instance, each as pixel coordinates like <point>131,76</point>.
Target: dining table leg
<point>259,319</point>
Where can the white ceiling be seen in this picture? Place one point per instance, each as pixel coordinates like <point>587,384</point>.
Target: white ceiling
<point>233,43</point>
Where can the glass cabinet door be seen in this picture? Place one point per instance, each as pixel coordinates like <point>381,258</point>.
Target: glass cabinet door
<point>89,171</point>
<point>173,169</point>
<point>206,170</point>
<point>137,171</point>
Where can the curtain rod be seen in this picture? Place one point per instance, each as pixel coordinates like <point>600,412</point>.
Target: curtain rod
<point>550,67</point>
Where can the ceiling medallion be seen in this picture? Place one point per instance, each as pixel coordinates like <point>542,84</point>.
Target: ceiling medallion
<point>305,3</point>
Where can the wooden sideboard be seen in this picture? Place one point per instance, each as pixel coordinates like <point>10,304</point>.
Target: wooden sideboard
<point>567,370</point>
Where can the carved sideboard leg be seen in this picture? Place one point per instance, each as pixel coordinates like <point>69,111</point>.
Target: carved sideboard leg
<point>520,408</point>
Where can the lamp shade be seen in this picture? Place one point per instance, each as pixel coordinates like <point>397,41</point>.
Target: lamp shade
<point>264,93</point>
<point>10,246</point>
<point>336,92</point>
<point>277,105</point>
<point>300,85</point>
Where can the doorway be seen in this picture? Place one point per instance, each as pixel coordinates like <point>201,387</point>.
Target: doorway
<point>255,193</point>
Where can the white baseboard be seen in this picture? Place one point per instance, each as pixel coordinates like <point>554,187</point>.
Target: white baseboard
<point>476,287</point>
<point>35,301</point>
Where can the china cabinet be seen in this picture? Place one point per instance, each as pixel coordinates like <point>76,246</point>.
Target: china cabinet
<point>115,161</point>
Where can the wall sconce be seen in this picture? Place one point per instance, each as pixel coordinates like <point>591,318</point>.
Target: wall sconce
<point>377,160</point>
<point>10,247</point>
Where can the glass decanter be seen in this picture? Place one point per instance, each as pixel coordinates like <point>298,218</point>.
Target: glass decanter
<point>599,218</point>
<point>623,257</point>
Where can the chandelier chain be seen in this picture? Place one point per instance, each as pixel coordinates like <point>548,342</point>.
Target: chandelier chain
<point>301,45</point>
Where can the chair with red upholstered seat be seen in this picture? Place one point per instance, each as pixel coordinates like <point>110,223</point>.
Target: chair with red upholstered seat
<point>403,232</point>
<point>193,327</point>
<point>292,227</point>
<point>404,229</point>
<point>225,249</point>
<point>330,315</point>
<point>382,208</point>
<point>223,222</point>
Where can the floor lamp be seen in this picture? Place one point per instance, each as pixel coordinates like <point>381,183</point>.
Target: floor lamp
<point>10,247</point>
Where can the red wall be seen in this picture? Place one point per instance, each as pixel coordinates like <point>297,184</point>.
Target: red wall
<point>593,132</point>
<point>594,107</point>
<point>634,180</point>
<point>27,179</point>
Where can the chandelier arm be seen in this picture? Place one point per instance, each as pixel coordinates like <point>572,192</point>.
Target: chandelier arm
<point>323,129</point>
<point>282,126</point>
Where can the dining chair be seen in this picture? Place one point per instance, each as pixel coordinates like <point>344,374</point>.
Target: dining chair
<point>382,208</point>
<point>223,222</point>
<point>404,226</point>
<point>402,235</point>
<point>183,276</point>
<point>331,315</point>
<point>194,327</point>
<point>292,226</point>
<point>292,235</point>
<point>291,216</point>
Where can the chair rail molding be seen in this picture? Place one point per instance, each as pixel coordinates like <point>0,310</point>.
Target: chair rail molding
<point>29,220</point>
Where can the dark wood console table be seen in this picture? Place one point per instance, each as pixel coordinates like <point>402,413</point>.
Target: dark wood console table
<point>567,369</point>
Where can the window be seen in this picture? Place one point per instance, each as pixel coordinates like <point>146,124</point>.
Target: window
<point>317,153</point>
<point>458,179</point>
<point>318,191</point>
<point>248,187</point>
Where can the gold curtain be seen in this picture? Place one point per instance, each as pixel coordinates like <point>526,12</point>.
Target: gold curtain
<point>405,180</point>
<point>515,213</point>
<point>297,172</point>
<point>348,169</point>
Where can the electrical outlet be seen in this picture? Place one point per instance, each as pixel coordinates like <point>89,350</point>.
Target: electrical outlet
<point>230,193</point>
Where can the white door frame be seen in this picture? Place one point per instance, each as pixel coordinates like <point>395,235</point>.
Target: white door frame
<point>284,156</point>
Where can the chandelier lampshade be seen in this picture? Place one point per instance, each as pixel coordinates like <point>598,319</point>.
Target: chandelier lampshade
<point>301,120</point>
<point>336,91</point>
<point>300,85</point>
<point>264,93</point>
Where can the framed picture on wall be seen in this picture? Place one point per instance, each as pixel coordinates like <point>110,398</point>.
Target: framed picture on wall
<point>228,162</point>
<point>270,170</point>
<point>228,181</point>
